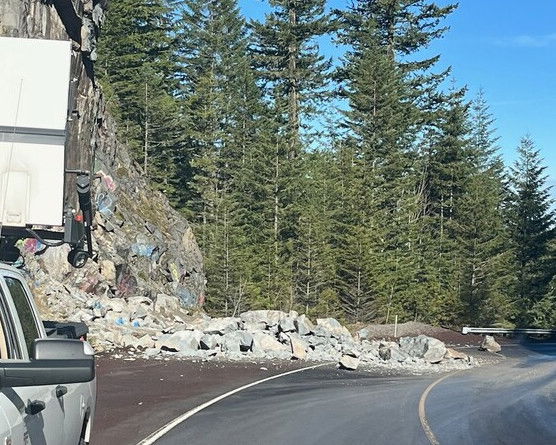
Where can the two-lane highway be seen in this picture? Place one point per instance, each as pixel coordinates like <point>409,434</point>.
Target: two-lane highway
<point>513,402</point>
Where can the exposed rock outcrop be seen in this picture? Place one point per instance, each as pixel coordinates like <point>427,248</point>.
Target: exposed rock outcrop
<point>145,248</point>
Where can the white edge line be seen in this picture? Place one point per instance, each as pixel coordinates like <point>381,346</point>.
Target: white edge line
<point>423,409</point>
<point>152,438</point>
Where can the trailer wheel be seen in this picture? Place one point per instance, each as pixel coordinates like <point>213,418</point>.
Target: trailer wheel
<point>78,258</point>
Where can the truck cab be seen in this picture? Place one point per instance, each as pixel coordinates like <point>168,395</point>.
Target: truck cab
<point>47,385</point>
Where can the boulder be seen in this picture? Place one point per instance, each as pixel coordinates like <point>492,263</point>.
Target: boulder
<point>181,341</point>
<point>368,356</point>
<point>286,324</point>
<point>145,342</point>
<point>117,305</point>
<point>367,346</point>
<point>334,327</point>
<point>303,325</point>
<point>222,326</point>
<point>129,341</point>
<point>167,303</point>
<point>253,327</point>
<point>385,352</point>
<point>199,322</point>
<point>322,332</point>
<point>315,340</point>
<point>349,362</point>
<point>114,336</point>
<point>396,354</point>
<point>323,353</point>
<point>151,352</point>
<point>269,317</point>
<point>209,341</point>
<point>99,309</point>
<point>239,341</point>
<point>351,349</point>
<point>298,347</point>
<point>140,311</point>
<point>264,343</point>
<point>490,345</point>
<point>118,318</point>
<point>391,351</point>
<point>284,338</point>
<point>108,271</point>
<point>138,299</point>
<point>430,349</point>
<point>455,355</point>
<point>363,334</point>
<point>81,315</point>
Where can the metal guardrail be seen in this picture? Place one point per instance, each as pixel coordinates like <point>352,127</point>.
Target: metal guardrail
<point>469,330</point>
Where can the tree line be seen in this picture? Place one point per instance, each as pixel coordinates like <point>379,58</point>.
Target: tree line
<point>362,189</point>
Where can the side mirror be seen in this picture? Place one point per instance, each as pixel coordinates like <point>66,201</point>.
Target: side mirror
<point>54,362</point>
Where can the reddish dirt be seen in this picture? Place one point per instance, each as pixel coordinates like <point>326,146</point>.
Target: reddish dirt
<point>135,398</point>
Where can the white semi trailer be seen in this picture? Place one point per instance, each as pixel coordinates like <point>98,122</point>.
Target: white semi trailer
<point>34,111</point>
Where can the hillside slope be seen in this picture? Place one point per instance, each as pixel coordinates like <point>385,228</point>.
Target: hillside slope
<point>145,248</point>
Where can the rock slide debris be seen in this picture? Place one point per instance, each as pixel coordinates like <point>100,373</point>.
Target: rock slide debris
<point>163,329</point>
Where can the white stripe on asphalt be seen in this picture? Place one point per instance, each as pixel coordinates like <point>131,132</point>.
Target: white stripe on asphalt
<point>152,438</point>
<point>423,412</point>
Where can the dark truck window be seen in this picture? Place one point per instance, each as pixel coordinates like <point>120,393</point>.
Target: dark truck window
<point>24,312</point>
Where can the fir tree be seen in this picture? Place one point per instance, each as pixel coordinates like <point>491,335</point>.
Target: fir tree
<point>404,28</point>
<point>288,60</point>
<point>483,238</point>
<point>221,101</point>
<point>315,270</point>
<point>137,69</point>
<point>532,225</point>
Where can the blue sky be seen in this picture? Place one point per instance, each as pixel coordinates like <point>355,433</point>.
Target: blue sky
<point>506,47</point>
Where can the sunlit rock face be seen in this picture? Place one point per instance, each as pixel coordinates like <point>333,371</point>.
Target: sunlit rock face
<point>145,248</point>
<point>30,18</point>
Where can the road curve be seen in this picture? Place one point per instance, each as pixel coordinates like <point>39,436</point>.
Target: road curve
<point>513,402</point>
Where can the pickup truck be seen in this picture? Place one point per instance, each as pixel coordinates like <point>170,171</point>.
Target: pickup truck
<point>47,385</point>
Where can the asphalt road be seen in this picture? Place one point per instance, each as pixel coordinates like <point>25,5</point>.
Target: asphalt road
<point>513,402</point>
<point>137,397</point>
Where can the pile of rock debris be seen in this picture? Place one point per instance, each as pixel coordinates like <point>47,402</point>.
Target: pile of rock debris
<point>163,329</point>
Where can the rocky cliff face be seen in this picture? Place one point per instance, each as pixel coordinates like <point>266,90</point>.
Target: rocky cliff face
<point>144,247</point>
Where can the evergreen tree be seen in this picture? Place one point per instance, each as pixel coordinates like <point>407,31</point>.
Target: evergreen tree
<point>543,313</point>
<point>293,75</point>
<point>137,70</point>
<point>379,120</point>
<point>315,270</point>
<point>448,169</point>
<point>532,225</point>
<point>388,98</point>
<point>405,28</point>
<point>354,234</point>
<point>483,238</point>
<point>288,60</point>
<point>221,101</point>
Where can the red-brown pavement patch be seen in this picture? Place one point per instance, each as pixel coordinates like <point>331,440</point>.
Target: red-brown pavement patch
<point>137,397</point>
